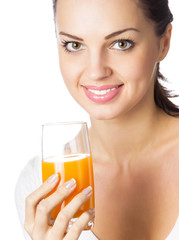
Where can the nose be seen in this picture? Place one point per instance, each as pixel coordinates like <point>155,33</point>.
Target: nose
<point>97,67</point>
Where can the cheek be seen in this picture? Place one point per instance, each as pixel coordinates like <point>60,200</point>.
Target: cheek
<point>69,70</point>
<point>137,70</point>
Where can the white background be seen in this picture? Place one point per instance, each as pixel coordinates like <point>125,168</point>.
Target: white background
<point>32,91</point>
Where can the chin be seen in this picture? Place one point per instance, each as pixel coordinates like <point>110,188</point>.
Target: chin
<point>103,114</point>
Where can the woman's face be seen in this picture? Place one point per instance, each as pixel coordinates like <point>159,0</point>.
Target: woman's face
<point>108,51</point>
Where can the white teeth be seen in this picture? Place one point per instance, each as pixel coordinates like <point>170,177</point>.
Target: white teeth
<point>101,92</point>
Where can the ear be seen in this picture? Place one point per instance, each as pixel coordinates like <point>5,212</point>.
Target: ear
<point>165,42</point>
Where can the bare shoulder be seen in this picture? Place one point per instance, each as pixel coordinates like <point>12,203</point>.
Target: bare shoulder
<point>169,142</point>
<point>174,153</point>
<point>170,156</point>
<point>173,144</point>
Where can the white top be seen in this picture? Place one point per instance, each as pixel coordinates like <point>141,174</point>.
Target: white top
<point>30,179</point>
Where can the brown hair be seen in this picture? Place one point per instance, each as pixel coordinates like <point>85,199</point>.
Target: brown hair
<point>159,12</point>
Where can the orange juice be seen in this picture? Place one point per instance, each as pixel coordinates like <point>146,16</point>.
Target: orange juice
<point>78,167</point>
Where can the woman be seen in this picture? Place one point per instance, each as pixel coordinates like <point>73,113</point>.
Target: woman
<point>113,50</point>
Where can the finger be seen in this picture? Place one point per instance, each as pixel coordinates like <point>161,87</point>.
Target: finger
<point>63,218</point>
<point>34,198</point>
<point>45,207</point>
<point>79,225</point>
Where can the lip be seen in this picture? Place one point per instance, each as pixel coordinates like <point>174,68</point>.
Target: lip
<point>105,97</point>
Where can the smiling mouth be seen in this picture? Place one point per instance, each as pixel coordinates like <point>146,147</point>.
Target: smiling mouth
<point>103,93</point>
<point>103,89</point>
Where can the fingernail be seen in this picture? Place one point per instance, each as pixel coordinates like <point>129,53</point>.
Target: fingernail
<point>87,190</point>
<point>91,211</point>
<point>70,183</point>
<point>52,178</point>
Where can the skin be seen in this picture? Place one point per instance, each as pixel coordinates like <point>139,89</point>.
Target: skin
<point>138,197</point>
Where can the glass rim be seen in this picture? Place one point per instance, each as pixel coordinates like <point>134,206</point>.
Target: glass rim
<point>64,123</point>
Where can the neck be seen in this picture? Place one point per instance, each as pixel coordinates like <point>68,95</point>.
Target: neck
<point>127,134</point>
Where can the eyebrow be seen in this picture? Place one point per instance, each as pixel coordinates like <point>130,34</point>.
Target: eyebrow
<point>120,32</point>
<point>71,36</point>
<point>106,38</point>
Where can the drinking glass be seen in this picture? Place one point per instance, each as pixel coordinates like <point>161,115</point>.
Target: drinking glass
<point>66,151</point>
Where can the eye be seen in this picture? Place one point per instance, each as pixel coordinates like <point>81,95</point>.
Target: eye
<point>122,45</point>
<point>72,46</point>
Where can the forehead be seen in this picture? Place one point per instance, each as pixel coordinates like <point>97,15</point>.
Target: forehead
<point>82,16</point>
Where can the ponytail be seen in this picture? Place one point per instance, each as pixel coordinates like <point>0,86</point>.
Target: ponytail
<point>162,96</point>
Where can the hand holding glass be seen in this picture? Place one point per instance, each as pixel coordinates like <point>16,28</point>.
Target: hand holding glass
<point>66,151</point>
